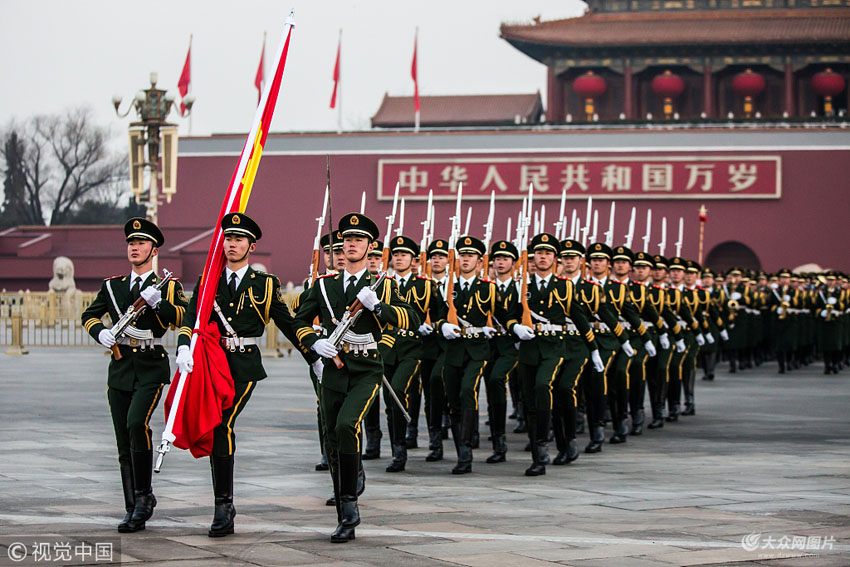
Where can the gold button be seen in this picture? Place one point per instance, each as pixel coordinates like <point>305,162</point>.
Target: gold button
<point>134,350</point>
<point>230,318</point>
<point>231,305</point>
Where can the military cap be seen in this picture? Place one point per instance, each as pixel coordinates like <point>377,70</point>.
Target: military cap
<point>661,263</point>
<point>377,248</point>
<point>570,247</point>
<point>337,241</point>
<point>545,241</point>
<point>708,272</point>
<point>643,259</point>
<point>143,229</point>
<point>356,224</point>
<point>599,250</point>
<point>439,246</point>
<point>692,267</point>
<point>831,275</point>
<point>734,272</point>
<point>404,244</point>
<point>470,245</point>
<point>677,263</point>
<point>784,273</point>
<point>240,224</point>
<point>623,253</point>
<point>504,248</point>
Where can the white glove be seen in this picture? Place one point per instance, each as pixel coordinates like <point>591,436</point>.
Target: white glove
<point>105,338</point>
<point>650,349</point>
<point>425,329</point>
<point>823,314</point>
<point>151,295</point>
<point>700,339</point>
<point>450,332</point>
<point>680,346</point>
<point>318,368</point>
<point>832,301</point>
<point>319,329</point>
<point>184,359</point>
<point>489,332</point>
<point>523,333</point>
<point>786,297</point>
<point>709,338</point>
<point>324,348</point>
<point>368,298</point>
<point>628,349</point>
<point>665,341</point>
<point>736,296</point>
<point>597,361</point>
<point>724,334</point>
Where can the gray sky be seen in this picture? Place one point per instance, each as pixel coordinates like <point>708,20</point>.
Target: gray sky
<point>56,54</point>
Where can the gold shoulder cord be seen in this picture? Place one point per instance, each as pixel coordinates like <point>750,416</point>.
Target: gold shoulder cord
<point>267,293</point>
<point>618,301</point>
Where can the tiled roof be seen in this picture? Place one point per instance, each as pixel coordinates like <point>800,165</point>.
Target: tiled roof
<point>467,110</point>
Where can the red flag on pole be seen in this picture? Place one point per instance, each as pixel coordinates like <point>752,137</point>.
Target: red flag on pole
<point>260,78</point>
<point>191,401</point>
<point>336,73</point>
<point>413,74</point>
<point>185,78</point>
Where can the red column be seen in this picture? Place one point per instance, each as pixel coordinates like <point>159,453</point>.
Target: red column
<point>628,92</point>
<point>554,97</point>
<point>707,92</point>
<point>789,90</point>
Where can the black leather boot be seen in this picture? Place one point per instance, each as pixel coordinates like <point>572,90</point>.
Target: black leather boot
<point>572,451</point>
<point>497,434</point>
<point>145,501</point>
<point>597,437</point>
<point>411,439</point>
<point>521,425</point>
<point>349,513</point>
<point>462,435</point>
<point>225,512</point>
<point>673,412</point>
<point>373,443</point>
<point>435,443</point>
<point>399,458</point>
<point>322,465</point>
<point>560,439</point>
<point>619,427</point>
<point>539,450</point>
<point>129,497</point>
<point>657,417</point>
<point>637,422</point>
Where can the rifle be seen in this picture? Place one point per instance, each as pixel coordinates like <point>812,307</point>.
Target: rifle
<point>678,244</point>
<point>585,231</point>
<point>385,257</point>
<point>314,263</point>
<point>124,325</point>
<point>423,246</point>
<point>631,234</point>
<point>526,223</point>
<point>488,234</point>
<point>609,234</point>
<point>648,230</point>
<point>451,266</point>
<point>662,246</point>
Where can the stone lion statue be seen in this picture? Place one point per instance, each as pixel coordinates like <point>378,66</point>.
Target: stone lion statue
<point>63,276</point>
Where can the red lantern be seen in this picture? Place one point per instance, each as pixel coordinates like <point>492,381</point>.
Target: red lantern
<point>589,86</point>
<point>668,85</point>
<point>748,84</point>
<point>827,84</point>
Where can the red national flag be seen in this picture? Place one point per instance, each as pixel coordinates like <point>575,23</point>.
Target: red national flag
<point>336,73</point>
<point>413,75</point>
<point>185,79</point>
<point>260,78</point>
<point>201,395</point>
<point>703,213</point>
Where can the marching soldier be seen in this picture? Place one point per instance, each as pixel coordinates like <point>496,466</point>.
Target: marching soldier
<point>682,374</point>
<point>139,368</point>
<point>435,350</point>
<point>503,349</point>
<point>468,348</point>
<point>716,322</point>
<point>783,301</point>
<point>352,369</point>
<point>246,300</point>
<point>829,306</point>
<point>739,299</point>
<point>555,313</point>
<point>372,420</point>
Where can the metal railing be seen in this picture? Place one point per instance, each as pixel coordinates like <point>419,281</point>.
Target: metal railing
<point>47,319</point>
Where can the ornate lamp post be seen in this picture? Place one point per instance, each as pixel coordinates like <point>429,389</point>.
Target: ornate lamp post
<point>153,132</point>
<point>589,86</point>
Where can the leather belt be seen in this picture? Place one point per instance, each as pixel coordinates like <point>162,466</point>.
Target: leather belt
<point>143,344</point>
<point>234,343</point>
<point>473,332</point>
<point>358,349</point>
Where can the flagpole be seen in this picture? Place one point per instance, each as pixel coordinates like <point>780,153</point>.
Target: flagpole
<point>339,87</point>
<point>190,82</point>
<point>416,79</point>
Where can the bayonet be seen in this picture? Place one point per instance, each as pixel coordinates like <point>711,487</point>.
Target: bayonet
<point>662,246</point>
<point>588,218</point>
<point>609,234</point>
<point>595,227</point>
<point>648,231</point>
<point>681,235</point>
<point>560,228</point>
<point>631,234</point>
<point>317,242</point>
<point>399,231</point>
<point>363,203</point>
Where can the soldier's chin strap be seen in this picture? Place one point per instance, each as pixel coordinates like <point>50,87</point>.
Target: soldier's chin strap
<point>145,261</point>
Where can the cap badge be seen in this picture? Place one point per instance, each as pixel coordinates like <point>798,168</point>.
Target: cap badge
<point>598,247</point>
<point>502,245</point>
<point>439,244</point>
<point>136,225</point>
<point>235,219</point>
<point>354,220</point>
<point>399,240</point>
<point>467,241</point>
<point>544,238</point>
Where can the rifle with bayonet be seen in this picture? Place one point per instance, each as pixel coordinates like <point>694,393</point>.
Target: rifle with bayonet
<point>124,325</point>
<point>451,267</point>
<point>488,234</point>
<point>423,245</point>
<point>526,224</point>
<point>317,242</point>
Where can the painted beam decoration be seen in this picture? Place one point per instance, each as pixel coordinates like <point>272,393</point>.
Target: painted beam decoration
<point>669,176</point>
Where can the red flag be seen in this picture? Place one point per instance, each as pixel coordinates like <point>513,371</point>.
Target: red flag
<point>703,213</point>
<point>336,74</point>
<point>185,418</point>
<point>413,75</point>
<point>260,78</point>
<point>185,79</point>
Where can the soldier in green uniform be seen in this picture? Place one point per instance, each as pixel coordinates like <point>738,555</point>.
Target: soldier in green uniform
<point>353,368</point>
<point>783,301</point>
<point>617,295</point>
<point>372,421</point>
<point>830,306</point>
<point>555,313</point>
<point>136,377</point>
<point>682,378</point>
<point>468,348</point>
<point>434,355</point>
<point>688,325</point>
<point>245,302</point>
<point>715,298</point>
<point>738,302</point>
<point>503,348</point>
<point>403,359</point>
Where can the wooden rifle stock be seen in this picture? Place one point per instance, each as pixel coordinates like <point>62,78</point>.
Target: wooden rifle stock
<point>139,307</point>
<point>526,310</point>
<point>354,309</point>
<point>425,271</point>
<point>450,290</point>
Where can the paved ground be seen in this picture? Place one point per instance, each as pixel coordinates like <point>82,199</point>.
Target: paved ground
<point>766,457</point>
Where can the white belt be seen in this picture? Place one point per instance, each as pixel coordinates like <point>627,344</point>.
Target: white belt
<point>406,333</point>
<point>141,343</point>
<point>600,326</point>
<point>359,348</point>
<point>648,325</point>
<point>474,332</point>
<point>233,343</point>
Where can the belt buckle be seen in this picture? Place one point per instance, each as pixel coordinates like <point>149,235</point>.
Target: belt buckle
<point>134,342</point>
<point>346,348</point>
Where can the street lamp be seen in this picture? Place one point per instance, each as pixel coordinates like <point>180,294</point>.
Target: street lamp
<point>153,106</point>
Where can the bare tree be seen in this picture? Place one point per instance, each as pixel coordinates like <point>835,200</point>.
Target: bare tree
<point>65,162</point>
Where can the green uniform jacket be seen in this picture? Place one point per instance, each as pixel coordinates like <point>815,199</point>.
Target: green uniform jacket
<point>392,311</point>
<point>257,301</point>
<point>474,307</point>
<point>504,343</point>
<point>641,298</point>
<point>658,298</point>
<point>619,297</point>
<point>593,296</point>
<point>683,313</point>
<point>150,365</point>
<point>398,343</point>
<point>559,305</point>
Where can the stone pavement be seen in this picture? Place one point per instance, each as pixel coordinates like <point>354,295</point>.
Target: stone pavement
<point>767,457</point>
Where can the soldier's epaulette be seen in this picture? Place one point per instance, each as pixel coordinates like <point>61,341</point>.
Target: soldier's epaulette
<point>592,282</point>
<point>487,281</point>
<point>423,278</point>
<point>112,278</point>
<point>326,276</point>
<point>561,278</point>
<point>699,287</point>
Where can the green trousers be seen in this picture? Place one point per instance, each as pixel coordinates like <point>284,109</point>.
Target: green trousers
<point>131,415</point>
<point>224,437</point>
<point>461,385</point>
<point>404,379</point>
